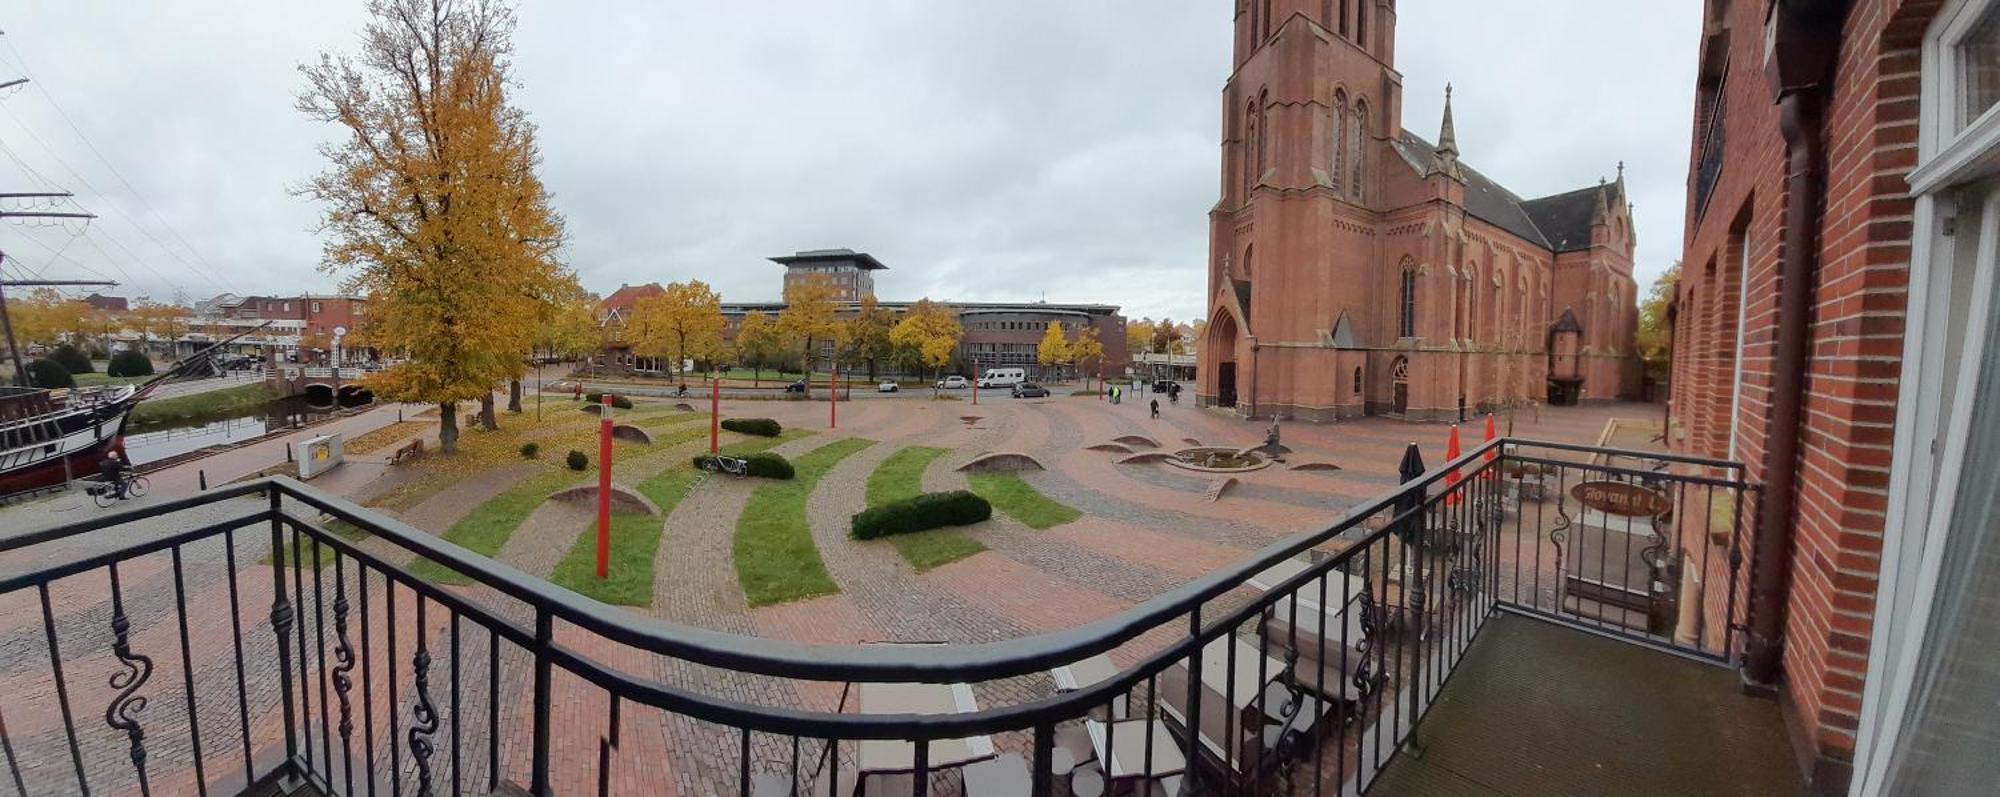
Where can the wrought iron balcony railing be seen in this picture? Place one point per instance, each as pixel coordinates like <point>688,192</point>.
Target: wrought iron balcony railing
<point>266,637</point>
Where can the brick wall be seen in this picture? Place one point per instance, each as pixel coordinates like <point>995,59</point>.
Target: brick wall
<point>1856,337</point>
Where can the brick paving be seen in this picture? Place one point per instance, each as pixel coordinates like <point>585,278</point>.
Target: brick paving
<point>1145,531</point>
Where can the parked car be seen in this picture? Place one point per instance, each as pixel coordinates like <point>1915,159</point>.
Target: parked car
<point>1163,386</point>
<point>886,387</point>
<point>796,387</point>
<point>1003,377</point>
<point>1030,390</point>
<point>953,383</point>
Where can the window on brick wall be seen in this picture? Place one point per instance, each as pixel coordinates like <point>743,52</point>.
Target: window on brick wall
<point>1406,320</point>
<point>1927,724</point>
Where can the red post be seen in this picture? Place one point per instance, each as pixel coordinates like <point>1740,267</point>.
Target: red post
<point>833,396</point>
<point>604,488</point>
<point>715,417</point>
<point>975,382</point>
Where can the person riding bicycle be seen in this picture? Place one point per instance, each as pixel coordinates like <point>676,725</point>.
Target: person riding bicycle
<point>681,391</point>
<point>113,470</point>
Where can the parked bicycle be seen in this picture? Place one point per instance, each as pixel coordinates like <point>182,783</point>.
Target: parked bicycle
<point>734,466</point>
<point>126,485</point>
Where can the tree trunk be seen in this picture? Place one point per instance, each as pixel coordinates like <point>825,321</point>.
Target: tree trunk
<point>486,418</point>
<point>447,427</point>
<point>871,369</point>
<point>514,396</point>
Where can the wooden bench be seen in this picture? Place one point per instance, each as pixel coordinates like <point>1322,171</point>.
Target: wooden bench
<point>407,451</point>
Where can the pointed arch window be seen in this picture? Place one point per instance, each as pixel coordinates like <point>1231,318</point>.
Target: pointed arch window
<point>1361,23</point>
<point>1339,137</point>
<point>1357,153</point>
<point>1263,134</point>
<point>1250,138</point>
<point>1406,318</point>
<point>1264,27</point>
<point>1343,17</point>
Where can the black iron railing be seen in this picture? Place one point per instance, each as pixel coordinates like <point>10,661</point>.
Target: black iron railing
<point>266,635</point>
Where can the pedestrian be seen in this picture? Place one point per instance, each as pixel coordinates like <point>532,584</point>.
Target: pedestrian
<point>1156,409</point>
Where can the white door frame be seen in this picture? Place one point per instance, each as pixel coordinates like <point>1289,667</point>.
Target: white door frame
<point>1923,488</point>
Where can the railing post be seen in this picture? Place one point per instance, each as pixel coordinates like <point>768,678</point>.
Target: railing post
<point>1410,504</point>
<point>281,624</point>
<point>544,638</point>
<point>1042,779</point>
<point>1193,752</point>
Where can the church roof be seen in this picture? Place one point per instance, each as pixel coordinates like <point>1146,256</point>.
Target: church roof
<point>1553,222</point>
<point>1565,218</point>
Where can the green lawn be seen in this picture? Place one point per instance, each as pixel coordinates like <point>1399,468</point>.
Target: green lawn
<point>100,378</point>
<point>155,412</point>
<point>776,560</point>
<point>486,528</point>
<point>635,537</point>
<point>309,545</point>
<point>1014,496</point>
<point>902,476</point>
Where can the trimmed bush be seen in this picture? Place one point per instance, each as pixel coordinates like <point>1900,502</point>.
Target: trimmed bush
<point>921,513</point>
<point>129,363</point>
<point>617,401</point>
<point>761,427</point>
<point>47,373</point>
<point>577,460</point>
<point>531,450</point>
<point>72,359</point>
<point>762,464</point>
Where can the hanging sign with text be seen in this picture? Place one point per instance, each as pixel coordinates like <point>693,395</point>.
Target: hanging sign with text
<point>1622,498</point>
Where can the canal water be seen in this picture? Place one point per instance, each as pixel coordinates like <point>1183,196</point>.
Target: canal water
<point>157,442</point>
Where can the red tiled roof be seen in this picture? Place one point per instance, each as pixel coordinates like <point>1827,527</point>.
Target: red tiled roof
<point>626,296</point>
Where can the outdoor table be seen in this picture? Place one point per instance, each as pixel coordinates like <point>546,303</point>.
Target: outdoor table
<point>896,756</point>
<point>1240,690</point>
<point>1126,757</point>
<point>1088,672</point>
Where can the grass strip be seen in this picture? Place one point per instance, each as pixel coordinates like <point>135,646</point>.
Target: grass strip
<point>487,527</point>
<point>776,561</point>
<point>902,476</point>
<point>1013,495</point>
<point>212,404</point>
<point>309,545</point>
<point>635,536</point>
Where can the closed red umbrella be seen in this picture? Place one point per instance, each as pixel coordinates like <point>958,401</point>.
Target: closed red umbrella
<point>1451,454</point>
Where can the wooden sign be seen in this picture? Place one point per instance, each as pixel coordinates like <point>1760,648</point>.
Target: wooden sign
<point>1622,498</point>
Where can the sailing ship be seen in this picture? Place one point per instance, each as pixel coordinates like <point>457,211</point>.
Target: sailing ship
<point>49,437</point>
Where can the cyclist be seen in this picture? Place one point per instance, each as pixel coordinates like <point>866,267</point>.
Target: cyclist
<point>113,469</point>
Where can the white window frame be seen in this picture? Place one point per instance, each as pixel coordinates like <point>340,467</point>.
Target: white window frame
<point>1923,488</point>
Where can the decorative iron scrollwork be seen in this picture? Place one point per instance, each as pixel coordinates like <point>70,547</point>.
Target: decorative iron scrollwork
<point>426,719</point>
<point>122,713</point>
<point>343,657</point>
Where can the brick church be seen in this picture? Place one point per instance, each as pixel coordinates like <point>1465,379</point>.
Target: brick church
<point>1358,268</point>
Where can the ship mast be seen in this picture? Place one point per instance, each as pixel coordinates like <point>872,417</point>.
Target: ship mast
<point>6,321</point>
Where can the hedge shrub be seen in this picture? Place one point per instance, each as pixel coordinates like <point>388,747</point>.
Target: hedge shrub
<point>577,460</point>
<point>761,427</point>
<point>920,513</point>
<point>531,450</point>
<point>129,363</point>
<point>46,373</point>
<point>72,359</point>
<point>617,401</point>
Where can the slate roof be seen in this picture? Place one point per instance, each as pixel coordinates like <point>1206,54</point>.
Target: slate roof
<point>1553,222</point>
<point>1565,218</point>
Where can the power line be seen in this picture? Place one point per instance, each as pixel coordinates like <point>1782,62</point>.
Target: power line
<point>22,62</point>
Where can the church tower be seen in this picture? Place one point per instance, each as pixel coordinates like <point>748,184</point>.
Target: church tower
<point>1313,99</point>
<point>1358,268</point>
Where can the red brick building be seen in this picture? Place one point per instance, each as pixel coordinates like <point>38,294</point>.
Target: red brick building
<point>1833,331</point>
<point>1357,268</point>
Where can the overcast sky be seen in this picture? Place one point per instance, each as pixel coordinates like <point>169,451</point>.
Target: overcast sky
<point>1065,149</point>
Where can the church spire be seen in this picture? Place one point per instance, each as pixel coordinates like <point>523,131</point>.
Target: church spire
<point>1447,136</point>
<point>1447,146</point>
<point>1603,210</point>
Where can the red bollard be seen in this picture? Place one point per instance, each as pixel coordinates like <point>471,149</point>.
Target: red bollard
<point>604,489</point>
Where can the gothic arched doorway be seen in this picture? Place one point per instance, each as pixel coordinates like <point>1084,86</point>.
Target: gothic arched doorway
<point>1399,386</point>
<point>1222,342</point>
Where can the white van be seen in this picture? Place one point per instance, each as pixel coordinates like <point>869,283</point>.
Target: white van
<point>1002,377</point>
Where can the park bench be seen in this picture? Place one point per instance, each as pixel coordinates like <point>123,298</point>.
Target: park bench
<point>407,451</point>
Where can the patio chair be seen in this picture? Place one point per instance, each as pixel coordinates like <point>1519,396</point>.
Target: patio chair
<point>1087,672</point>
<point>1250,713</point>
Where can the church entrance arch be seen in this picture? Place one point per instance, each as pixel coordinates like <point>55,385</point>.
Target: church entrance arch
<point>1399,386</point>
<point>1222,341</point>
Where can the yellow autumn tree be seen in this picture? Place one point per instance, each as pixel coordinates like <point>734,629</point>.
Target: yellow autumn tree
<point>759,344</point>
<point>685,322</point>
<point>432,206</point>
<point>569,329</point>
<point>931,331</point>
<point>1053,351</point>
<point>810,317</point>
<point>1086,352</point>
<point>44,316</point>
<point>1139,334</point>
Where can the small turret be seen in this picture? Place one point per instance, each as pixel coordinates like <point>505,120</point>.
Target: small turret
<point>1447,146</point>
